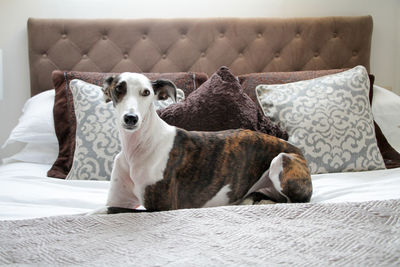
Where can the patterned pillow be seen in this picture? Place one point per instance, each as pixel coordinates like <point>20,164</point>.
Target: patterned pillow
<point>64,115</point>
<point>250,81</point>
<point>97,140</point>
<point>329,118</point>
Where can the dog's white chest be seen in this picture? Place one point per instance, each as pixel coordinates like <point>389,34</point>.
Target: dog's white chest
<point>142,179</point>
<point>148,169</point>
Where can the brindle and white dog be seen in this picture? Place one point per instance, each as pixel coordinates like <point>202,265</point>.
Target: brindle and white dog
<point>163,167</point>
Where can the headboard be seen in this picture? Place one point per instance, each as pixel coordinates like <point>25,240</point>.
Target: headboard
<point>245,45</point>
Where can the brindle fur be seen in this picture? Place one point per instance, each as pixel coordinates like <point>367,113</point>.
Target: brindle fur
<point>114,90</point>
<point>237,157</point>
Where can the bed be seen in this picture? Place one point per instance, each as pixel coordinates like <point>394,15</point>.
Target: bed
<point>61,173</point>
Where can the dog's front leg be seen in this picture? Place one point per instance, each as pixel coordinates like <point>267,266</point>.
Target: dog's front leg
<point>121,186</point>
<point>120,194</point>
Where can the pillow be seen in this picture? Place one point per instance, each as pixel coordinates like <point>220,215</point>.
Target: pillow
<point>97,139</point>
<point>64,116</point>
<point>219,104</point>
<point>329,118</point>
<point>386,110</point>
<point>250,81</point>
<point>36,122</point>
<point>45,153</point>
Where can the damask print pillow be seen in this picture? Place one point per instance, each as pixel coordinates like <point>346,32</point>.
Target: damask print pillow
<point>329,118</point>
<point>97,141</point>
<point>64,114</point>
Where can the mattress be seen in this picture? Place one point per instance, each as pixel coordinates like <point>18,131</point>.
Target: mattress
<point>26,192</point>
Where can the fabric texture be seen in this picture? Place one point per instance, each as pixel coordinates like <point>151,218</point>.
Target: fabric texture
<point>97,138</point>
<point>36,124</point>
<point>64,114</point>
<point>345,234</point>
<point>386,110</point>
<point>390,156</point>
<point>250,81</point>
<point>245,45</point>
<point>329,118</point>
<point>220,104</point>
<point>45,153</point>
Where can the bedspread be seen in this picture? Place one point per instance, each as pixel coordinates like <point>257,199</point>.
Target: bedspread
<point>316,234</point>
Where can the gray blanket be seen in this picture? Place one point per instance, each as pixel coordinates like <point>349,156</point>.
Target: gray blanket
<point>364,234</point>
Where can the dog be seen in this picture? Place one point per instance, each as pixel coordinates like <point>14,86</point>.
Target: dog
<point>162,167</point>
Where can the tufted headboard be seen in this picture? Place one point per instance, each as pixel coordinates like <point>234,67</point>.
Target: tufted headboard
<point>172,45</point>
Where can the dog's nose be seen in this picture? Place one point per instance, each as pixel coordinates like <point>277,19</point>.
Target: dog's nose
<point>130,119</point>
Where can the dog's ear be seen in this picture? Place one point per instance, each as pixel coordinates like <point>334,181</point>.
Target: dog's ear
<point>164,89</point>
<point>107,88</point>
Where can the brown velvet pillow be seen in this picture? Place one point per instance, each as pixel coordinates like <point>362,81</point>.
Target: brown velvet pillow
<point>64,115</point>
<point>250,81</point>
<point>220,104</point>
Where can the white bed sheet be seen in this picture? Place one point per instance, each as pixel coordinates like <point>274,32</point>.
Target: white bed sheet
<point>26,192</point>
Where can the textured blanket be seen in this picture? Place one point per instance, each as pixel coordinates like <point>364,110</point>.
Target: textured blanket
<point>366,234</point>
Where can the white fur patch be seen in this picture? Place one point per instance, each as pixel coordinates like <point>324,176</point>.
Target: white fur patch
<point>275,170</point>
<point>151,169</point>
<point>220,199</point>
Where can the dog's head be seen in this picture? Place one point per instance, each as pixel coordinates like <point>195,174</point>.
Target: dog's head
<point>133,95</point>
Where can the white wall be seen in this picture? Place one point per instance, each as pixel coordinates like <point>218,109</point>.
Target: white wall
<point>14,15</point>
<point>397,47</point>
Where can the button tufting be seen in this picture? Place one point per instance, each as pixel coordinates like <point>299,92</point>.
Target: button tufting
<point>277,54</point>
<point>183,36</point>
<point>164,56</point>
<point>84,56</point>
<point>316,54</point>
<point>44,54</point>
<point>240,54</point>
<point>355,53</point>
<point>64,36</point>
<point>144,36</point>
<point>259,35</point>
<point>298,35</point>
<point>334,34</point>
<point>104,37</point>
<point>126,56</point>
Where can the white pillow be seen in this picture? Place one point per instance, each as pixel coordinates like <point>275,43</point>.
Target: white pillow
<point>36,124</point>
<point>36,153</point>
<point>386,110</point>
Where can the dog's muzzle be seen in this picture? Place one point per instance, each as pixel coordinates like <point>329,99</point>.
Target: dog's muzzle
<point>130,121</point>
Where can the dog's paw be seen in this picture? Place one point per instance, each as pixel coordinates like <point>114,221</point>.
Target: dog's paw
<point>99,211</point>
<point>266,202</point>
<point>247,201</point>
<point>256,198</point>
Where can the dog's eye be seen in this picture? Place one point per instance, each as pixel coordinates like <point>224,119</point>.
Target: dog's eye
<point>146,92</point>
<point>119,89</point>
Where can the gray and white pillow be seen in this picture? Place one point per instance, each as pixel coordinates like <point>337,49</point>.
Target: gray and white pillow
<point>97,140</point>
<point>328,118</point>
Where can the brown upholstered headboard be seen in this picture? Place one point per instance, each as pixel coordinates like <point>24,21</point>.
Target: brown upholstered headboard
<point>172,45</point>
